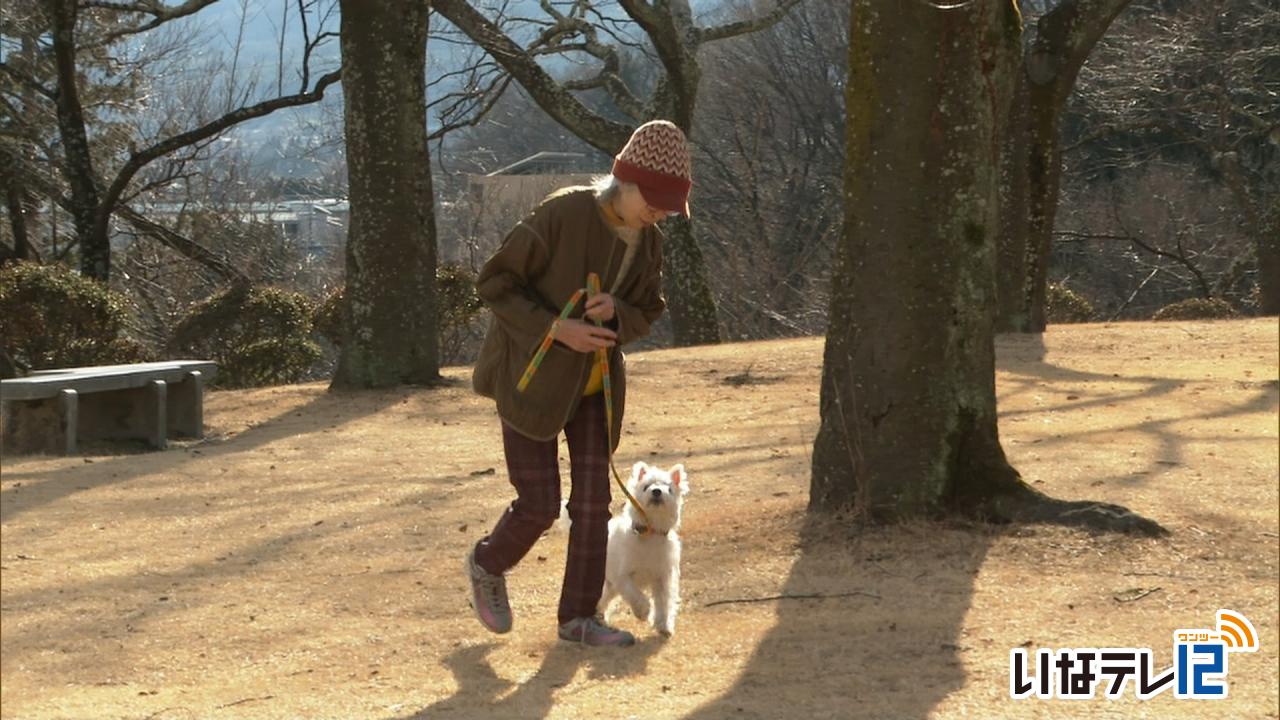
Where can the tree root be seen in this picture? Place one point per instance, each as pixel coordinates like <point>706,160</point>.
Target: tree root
<point>1023,504</point>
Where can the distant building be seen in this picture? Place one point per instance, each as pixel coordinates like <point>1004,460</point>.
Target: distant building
<point>316,226</point>
<point>522,184</point>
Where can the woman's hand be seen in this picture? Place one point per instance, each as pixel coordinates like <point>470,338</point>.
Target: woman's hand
<point>600,307</point>
<point>584,336</point>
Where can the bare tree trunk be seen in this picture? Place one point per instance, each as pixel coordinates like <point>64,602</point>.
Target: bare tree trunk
<point>1268,250</point>
<point>1044,177</point>
<point>1033,164</point>
<point>95,251</point>
<point>390,334</point>
<point>1013,244</point>
<point>14,198</point>
<point>693,316</point>
<point>41,184</point>
<point>908,418</point>
<point>1264,225</point>
<point>908,410</point>
<point>690,302</point>
<point>17,197</point>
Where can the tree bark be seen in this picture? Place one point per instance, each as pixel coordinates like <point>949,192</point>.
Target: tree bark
<point>1013,246</point>
<point>1044,178</point>
<point>693,317</point>
<point>1032,161</point>
<point>908,417</point>
<point>908,421</point>
<point>390,334</point>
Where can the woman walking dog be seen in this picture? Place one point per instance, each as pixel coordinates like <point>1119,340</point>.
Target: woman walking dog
<point>608,230</point>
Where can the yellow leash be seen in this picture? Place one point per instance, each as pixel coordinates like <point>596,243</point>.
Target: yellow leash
<point>602,359</point>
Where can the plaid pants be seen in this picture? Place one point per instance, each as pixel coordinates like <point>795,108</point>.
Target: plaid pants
<point>534,470</point>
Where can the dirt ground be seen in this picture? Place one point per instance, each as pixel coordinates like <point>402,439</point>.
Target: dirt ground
<point>304,560</point>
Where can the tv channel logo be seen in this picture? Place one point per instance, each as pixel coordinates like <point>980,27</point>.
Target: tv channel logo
<point>1199,670</point>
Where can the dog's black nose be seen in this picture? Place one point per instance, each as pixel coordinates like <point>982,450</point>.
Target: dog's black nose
<point>656,493</point>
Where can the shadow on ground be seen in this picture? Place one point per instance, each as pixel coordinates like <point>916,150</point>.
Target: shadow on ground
<point>890,650</point>
<point>479,686</point>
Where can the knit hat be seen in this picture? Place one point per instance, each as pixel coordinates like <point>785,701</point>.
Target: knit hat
<point>656,159</point>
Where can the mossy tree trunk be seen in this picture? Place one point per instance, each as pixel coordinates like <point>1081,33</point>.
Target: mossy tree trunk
<point>389,335</point>
<point>908,421</point>
<point>908,411</point>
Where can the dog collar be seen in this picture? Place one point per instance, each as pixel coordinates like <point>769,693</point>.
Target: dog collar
<point>643,530</point>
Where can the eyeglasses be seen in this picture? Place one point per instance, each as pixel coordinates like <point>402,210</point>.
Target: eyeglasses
<point>653,211</point>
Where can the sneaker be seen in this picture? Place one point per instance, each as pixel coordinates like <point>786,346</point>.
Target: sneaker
<point>489,597</point>
<point>593,631</point>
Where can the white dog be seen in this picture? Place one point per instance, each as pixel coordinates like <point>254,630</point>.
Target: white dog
<point>646,557</point>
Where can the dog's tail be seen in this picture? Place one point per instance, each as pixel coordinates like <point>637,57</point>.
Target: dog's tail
<point>563,523</point>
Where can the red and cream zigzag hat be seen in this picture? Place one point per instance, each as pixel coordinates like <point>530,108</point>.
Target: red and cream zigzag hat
<point>656,159</point>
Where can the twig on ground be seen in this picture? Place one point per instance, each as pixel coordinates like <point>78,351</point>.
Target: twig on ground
<point>1161,574</point>
<point>158,713</point>
<point>795,596</point>
<point>1134,595</point>
<point>246,700</point>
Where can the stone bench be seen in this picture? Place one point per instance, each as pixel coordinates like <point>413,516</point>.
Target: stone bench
<point>54,411</point>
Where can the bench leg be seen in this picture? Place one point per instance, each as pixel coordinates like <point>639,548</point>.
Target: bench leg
<point>186,407</point>
<point>9,424</point>
<point>157,406</point>
<point>69,409</point>
<point>51,425</point>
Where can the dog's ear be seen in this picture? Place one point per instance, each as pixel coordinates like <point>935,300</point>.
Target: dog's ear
<point>637,471</point>
<point>680,478</point>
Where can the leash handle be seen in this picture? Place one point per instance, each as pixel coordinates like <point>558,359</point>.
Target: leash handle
<point>546,341</point>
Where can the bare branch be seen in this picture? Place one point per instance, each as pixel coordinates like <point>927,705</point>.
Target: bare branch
<point>1084,236</point>
<point>463,103</point>
<point>475,117</point>
<point>159,12</point>
<point>553,98</point>
<point>312,43</point>
<point>185,246</point>
<point>645,15</point>
<point>39,181</point>
<point>141,158</point>
<point>27,80</point>
<point>743,27</point>
<point>607,78</point>
<point>660,27</point>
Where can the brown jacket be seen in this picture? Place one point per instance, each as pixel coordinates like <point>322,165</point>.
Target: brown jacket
<point>541,263</point>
